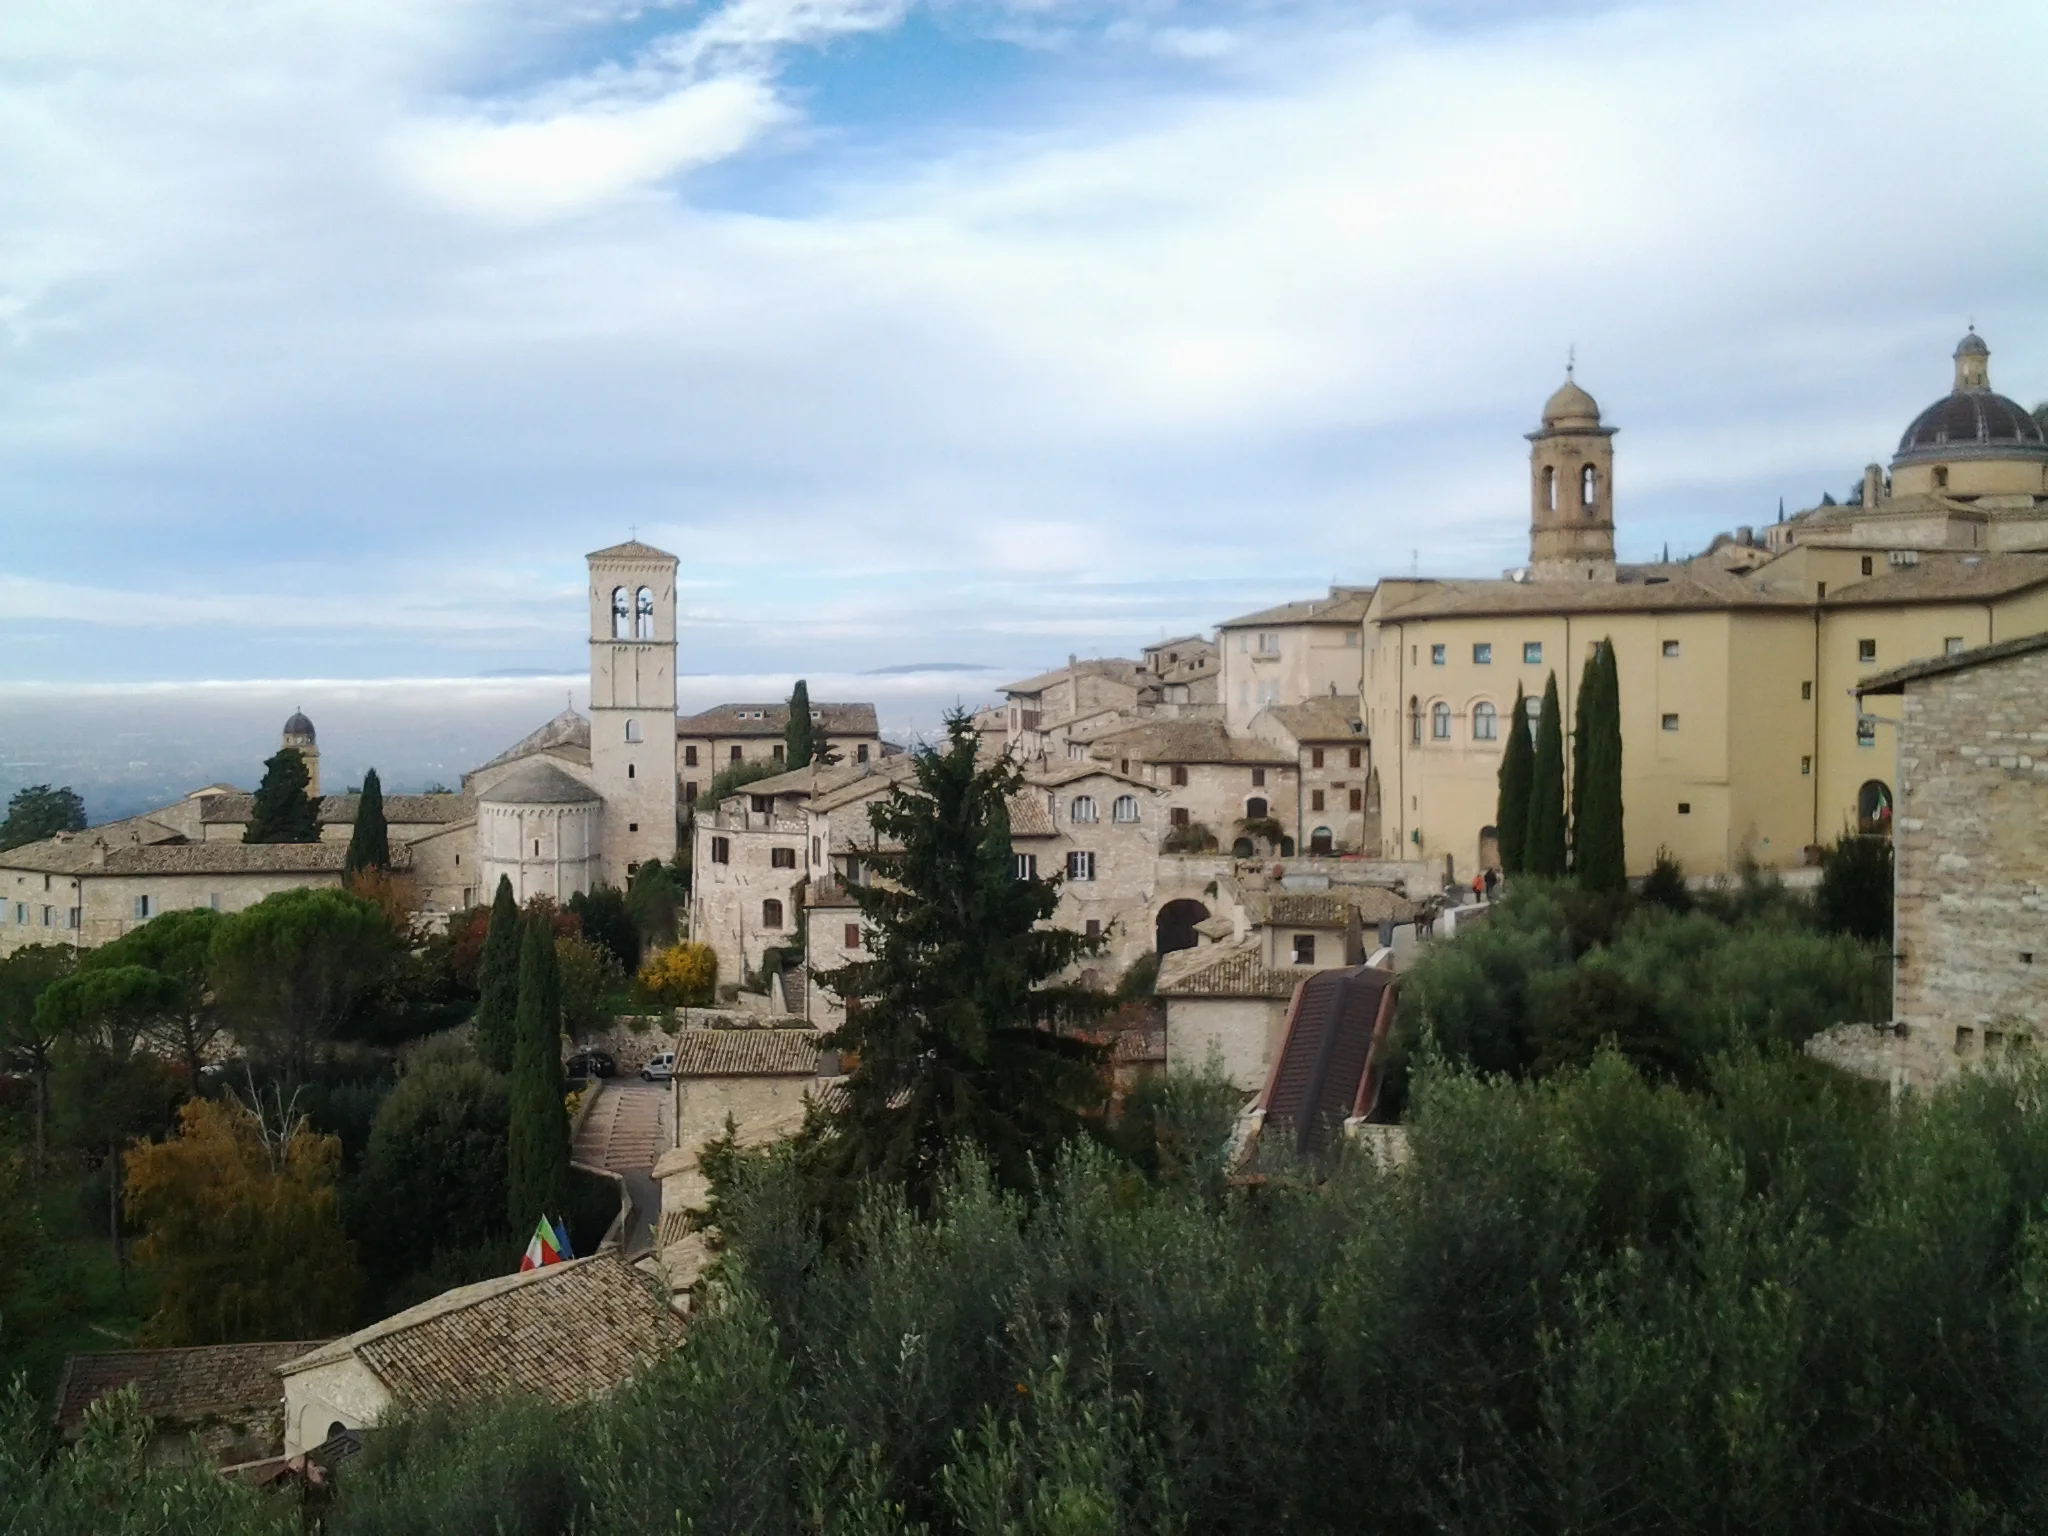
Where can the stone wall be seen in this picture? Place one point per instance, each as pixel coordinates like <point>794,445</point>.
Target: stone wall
<point>1971,833</point>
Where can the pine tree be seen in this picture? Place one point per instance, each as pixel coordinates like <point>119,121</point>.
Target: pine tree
<point>284,812</point>
<point>1599,857</point>
<point>369,845</point>
<point>1517,770</point>
<point>1543,847</point>
<point>537,1154</point>
<point>952,1024</point>
<point>799,744</point>
<point>497,980</point>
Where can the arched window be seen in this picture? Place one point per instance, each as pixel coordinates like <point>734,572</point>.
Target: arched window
<point>1550,487</point>
<point>643,615</point>
<point>1874,809</point>
<point>1255,809</point>
<point>1589,486</point>
<point>1485,722</point>
<point>1320,841</point>
<point>1083,808</point>
<point>1440,721</point>
<point>632,730</point>
<point>771,913</point>
<point>1125,808</point>
<point>622,616</point>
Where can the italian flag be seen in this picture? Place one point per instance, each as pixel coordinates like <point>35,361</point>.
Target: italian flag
<point>549,1245</point>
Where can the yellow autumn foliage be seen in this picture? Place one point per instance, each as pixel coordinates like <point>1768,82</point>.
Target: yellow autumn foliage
<point>681,975</point>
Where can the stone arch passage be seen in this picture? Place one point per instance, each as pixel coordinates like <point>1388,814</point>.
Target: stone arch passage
<point>1874,808</point>
<point>1175,926</point>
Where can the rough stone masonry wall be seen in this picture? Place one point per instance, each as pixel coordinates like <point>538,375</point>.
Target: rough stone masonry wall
<point>1971,833</point>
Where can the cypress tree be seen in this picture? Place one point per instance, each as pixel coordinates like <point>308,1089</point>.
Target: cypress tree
<point>799,745</point>
<point>537,1153</point>
<point>497,980</point>
<point>369,845</point>
<point>1543,848</point>
<point>1599,858</point>
<point>1589,695</point>
<point>1517,771</point>
<point>284,812</point>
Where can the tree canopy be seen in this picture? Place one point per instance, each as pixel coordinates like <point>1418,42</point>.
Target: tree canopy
<point>955,1021</point>
<point>1599,854</point>
<point>537,1159</point>
<point>497,981</point>
<point>284,812</point>
<point>37,811</point>
<point>1543,848</point>
<point>291,970</point>
<point>369,844</point>
<point>799,742</point>
<point>1517,772</point>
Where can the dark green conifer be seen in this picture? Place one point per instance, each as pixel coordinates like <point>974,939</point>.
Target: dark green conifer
<point>1543,848</point>
<point>369,845</point>
<point>1517,771</point>
<point>799,744</point>
<point>537,1155</point>
<point>497,982</point>
<point>284,812</point>
<point>1599,855</point>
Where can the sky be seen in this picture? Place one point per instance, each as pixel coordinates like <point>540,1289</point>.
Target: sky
<point>334,333</point>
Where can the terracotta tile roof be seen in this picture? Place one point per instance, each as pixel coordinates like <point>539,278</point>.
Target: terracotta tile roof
<point>1234,972</point>
<point>1344,605</point>
<point>564,1332</point>
<point>178,1387</point>
<point>632,549</point>
<point>1647,589</point>
<point>1190,741</point>
<point>540,783</point>
<point>1121,668</point>
<point>1055,773</point>
<point>1331,908</point>
<point>747,1053</point>
<point>869,779</point>
<point>738,720</point>
<point>73,854</point>
<point>1030,816</point>
<point>567,733</point>
<point>1940,577</point>
<point>340,810</point>
<point>1895,681</point>
<point>1321,720</point>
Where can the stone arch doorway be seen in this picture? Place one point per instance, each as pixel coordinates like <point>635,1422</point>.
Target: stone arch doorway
<point>1874,808</point>
<point>1321,844</point>
<point>1174,928</point>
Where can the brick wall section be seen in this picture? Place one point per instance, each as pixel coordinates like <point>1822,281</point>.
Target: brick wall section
<point>1971,831</point>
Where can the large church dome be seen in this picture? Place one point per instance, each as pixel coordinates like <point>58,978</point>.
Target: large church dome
<point>1972,421</point>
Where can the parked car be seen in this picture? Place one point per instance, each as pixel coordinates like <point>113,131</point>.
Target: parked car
<point>591,1062</point>
<point>660,1069</point>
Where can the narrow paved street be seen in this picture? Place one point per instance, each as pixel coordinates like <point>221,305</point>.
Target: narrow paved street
<point>627,1129</point>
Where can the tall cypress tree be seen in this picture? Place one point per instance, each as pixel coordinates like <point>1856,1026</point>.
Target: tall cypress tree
<point>1543,848</point>
<point>497,981</point>
<point>369,845</point>
<point>1517,771</point>
<point>284,812</point>
<point>799,744</point>
<point>1599,858</point>
<point>537,1153</point>
<point>1589,701</point>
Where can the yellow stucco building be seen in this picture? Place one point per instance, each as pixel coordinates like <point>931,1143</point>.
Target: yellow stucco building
<point>1742,735</point>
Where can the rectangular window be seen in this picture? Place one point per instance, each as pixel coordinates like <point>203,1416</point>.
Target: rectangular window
<point>852,937</point>
<point>1806,767</point>
<point>1358,800</point>
<point>49,917</point>
<point>1027,866</point>
<point>1952,646</point>
<point>1357,757</point>
<point>817,851</point>
<point>1685,807</point>
<point>1671,722</point>
<point>735,754</point>
<point>721,850</point>
<point>1258,778</point>
<point>1532,652</point>
<point>1179,816</point>
<point>1092,928</point>
<point>1304,949</point>
<point>21,913</point>
<point>1866,650</point>
<point>1436,655</point>
<point>1315,800</point>
<point>1866,565</point>
<point>141,908</point>
<point>860,753</point>
<point>1482,654</point>
<point>782,858</point>
<point>1080,865</point>
<point>690,755</point>
<point>1670,648</point>
<point>632,826</point>
<point>1866,730</point>
<point>1315,757</point>
<point>1177,775</point>
<point>1269,643</point>
<point>1806,691</point>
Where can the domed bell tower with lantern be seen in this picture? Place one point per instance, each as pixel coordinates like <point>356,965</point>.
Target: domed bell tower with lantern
<point>1571,490</point>
<point>633,704</point>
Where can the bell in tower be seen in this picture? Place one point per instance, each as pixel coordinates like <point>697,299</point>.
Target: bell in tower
<point>1571,490</point>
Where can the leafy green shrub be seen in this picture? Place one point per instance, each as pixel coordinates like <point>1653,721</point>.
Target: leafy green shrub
<point>1855,894</point>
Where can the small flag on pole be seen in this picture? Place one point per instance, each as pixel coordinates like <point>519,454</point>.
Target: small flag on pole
<point>562,1238</point>
<point>544,1249</point>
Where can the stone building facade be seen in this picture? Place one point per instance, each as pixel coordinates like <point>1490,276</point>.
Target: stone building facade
<point>715,739</point>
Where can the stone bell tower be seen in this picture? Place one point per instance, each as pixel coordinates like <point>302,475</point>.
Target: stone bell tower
<point>633,704</point>
<point>1571,490</point>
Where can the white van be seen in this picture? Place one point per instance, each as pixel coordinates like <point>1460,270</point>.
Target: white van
<point>660,1069</point>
